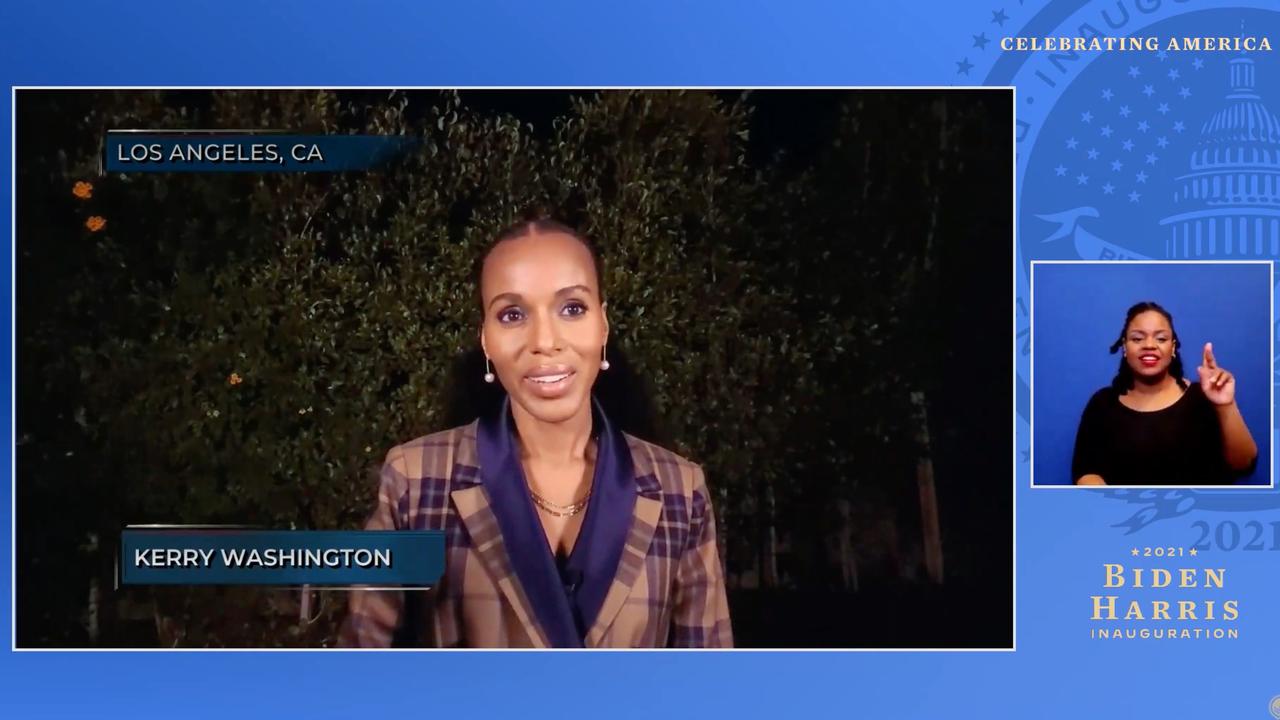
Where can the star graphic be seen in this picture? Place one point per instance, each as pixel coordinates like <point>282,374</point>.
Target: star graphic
<point>1107,94</point>
<point>1148,90</point>
<point>980,41</point>
<point>1143,125</point>
<point>1185,93</point>
<point>1197,63</point>
<point>998,17</point>
<point>1124,111</point>
<point>1179,127</point>
<point>1194,552</point>
<point>1082,179</point>
<point>1108,189</point>
<point>1162,142</point>
<point>1093,153</point>
<point>1127,144</point>
<point>963,67</point>
<point>1086,116</point>
<point>1060,171</point>
<point>1116,165</point>
<point>1162,55</point>
<point>1134,71</point>
<point>1174,74</point>
<point>1106,131</point>
<point>1141,177</point>
<point>1072,143</point>
<point>1163,109</point>
<point>1151,158</point>
<point>1134,552</point>
<point>1133,197</point>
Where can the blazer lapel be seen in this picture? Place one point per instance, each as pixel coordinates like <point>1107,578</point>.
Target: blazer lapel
<point>525,560</point>
<point>477,516</point>
<point>644,522</point>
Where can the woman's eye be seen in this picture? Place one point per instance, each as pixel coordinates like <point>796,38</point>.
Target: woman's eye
<point>510,315</point>
<point>574,309</point>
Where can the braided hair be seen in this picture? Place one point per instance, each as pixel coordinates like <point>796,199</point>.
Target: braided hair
<point>1123,380</point>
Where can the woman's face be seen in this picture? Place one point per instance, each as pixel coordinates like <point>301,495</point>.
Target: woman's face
<point>1148,344</point>
<point>544,325</point>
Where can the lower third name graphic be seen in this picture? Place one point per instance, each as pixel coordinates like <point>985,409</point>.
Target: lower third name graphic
<point>266,558</point>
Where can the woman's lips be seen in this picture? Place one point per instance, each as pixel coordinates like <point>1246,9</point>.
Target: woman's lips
<point>1149,360</point>
<point>551,383</point>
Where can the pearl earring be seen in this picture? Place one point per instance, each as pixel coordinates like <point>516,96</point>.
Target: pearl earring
<point>604,364</point>
<point>488,373</point>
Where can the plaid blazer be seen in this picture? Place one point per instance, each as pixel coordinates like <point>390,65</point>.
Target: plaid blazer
<point>668,589</point>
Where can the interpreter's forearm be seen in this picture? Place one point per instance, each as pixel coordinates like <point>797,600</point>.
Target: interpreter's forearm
<point>1238,446</point>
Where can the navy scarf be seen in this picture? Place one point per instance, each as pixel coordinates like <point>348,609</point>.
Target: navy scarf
<point>567,599</point>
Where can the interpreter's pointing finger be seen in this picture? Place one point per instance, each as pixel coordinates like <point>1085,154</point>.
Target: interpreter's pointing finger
<point>1209,362</point>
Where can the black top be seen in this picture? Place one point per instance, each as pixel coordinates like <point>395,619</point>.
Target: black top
<point>1177,445</point>
<point>571,579</point>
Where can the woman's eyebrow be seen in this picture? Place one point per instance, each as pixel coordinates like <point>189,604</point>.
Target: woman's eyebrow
<point>573,288</point>
<point>510,297</point>
<point>517,298</point>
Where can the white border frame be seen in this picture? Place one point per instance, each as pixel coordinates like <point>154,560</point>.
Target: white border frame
<point>1031,386</point>
<point>13,231</point>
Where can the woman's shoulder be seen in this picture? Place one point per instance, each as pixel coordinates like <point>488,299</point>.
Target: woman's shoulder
<point>675,473</point>
<point>1102,396</point>
<point>432,455</point>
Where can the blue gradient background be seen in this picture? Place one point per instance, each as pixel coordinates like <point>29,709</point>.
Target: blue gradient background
<point>1063,537</point>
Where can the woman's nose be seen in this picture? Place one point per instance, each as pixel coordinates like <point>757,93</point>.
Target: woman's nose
<point>545,335</point>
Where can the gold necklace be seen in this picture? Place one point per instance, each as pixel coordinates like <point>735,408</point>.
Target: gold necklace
<point>559,510</point>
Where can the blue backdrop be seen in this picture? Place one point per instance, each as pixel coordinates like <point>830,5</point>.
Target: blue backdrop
<point>1101,139</point>
<point>1078,312</point>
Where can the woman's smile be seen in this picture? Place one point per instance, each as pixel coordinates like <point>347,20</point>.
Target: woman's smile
<point>550,381</point>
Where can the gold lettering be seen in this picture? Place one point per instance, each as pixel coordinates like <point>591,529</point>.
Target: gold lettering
<point>1135,611</point>
<point>1160,610</point>
<point>1230,610</point>
<point>1115,575</point>
<point>1186,610</point>
<point>1098,606</point>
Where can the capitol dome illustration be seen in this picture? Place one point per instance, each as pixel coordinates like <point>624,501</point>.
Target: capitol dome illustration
<point>1230,200</point>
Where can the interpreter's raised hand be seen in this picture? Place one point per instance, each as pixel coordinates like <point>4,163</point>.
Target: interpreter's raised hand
<point>1217,384</point>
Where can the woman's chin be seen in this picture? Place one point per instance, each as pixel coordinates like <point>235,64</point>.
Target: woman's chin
<point>1150,374</point>
<point>552,410</point>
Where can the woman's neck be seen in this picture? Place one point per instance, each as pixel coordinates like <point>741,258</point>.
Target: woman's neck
<point>565,441</point>
<point>1152,387</point>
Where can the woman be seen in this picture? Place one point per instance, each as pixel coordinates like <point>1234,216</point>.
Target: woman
<point>561,530</point>
<point>1151,426</point>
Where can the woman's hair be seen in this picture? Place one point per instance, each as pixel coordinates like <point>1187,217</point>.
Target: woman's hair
<point>537,220</point>
<point>621,391</point>
<point>1123,381</point>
